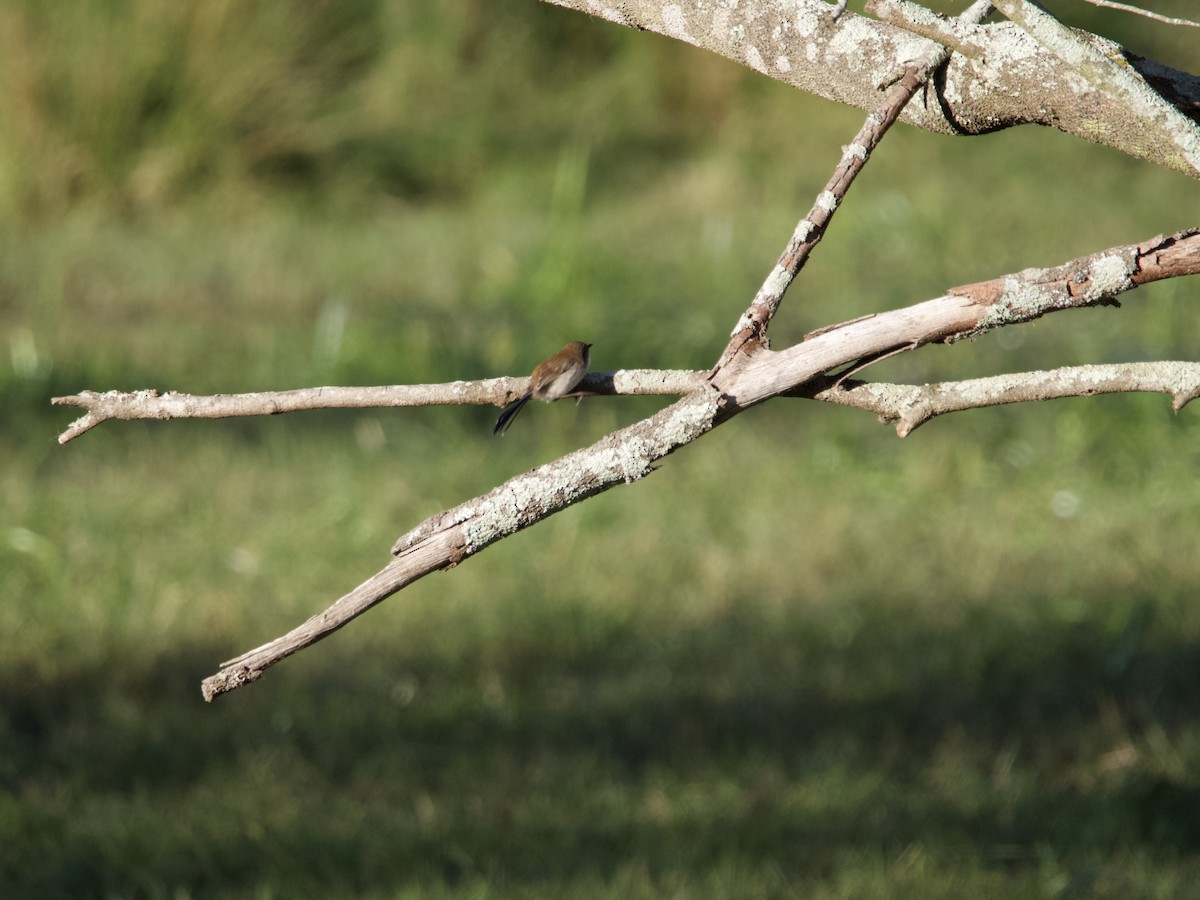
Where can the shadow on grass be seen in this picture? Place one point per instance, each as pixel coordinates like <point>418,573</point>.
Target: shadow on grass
<point>765,745</point>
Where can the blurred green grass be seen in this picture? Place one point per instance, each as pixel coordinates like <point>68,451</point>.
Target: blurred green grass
<point>804,658</point>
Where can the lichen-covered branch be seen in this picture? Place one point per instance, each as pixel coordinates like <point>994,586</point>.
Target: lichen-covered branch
<point>911,405</point>
<point>1088,281</point>
<point>968,311</point>
<point>150,404</point>
<point>445,540</point>
<point>752,326</point>
<point>1008,79</point>
<point>448,538</point>
<point>1145,13</point>
<point>964,311</point>
<point>1101,66</point>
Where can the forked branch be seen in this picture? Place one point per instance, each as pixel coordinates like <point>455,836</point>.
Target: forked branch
<point>751,329</point>
<point>150,404</point>
<point>446,539</point>
<point>910,406</point>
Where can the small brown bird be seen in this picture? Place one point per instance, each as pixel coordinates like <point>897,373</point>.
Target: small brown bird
<point>552,379</point>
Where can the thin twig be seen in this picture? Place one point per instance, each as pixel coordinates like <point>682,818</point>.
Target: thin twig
<point>1007,300</point>
<point>869,396</point>
<point>750,330</point>
<point>969,39</point>
<point>150,404</point>
<point>1138,11</point>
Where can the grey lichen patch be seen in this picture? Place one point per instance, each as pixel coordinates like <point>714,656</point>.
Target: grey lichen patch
<point>1183,381</point>
<point>855,40</point>
<point>746,321</point>
<point>777,282</point>
<point>1007,53</point>
<point>806,21</point>
<point>907,400</point>
<point>919,15</point>
<point>675,23</point>
<point>690,417</point>
<point>1019,301</point>
<point>1109,275</point>
<point>986,391</point>
<point>854,151</point>
<point>755,60</point>
<point>506,510</point>
<point>804,230</point>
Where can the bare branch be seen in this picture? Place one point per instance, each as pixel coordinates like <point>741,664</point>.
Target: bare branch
<point>1137,10</point>
<point>889,401</point>
<point>752,326</point>
<point>1009,80</point>
<point>911,406</point>
<point>434,555</point>
<point>1087,281</point>
<point>150,404</point>
<point>961,37</point>
<point>967,311</point>
<point>1156,120</point>
<point>444,540</point>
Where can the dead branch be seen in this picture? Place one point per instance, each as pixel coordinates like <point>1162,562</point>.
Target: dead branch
<point>910,406</point>
<point>747,374</point>
<point>968,311</point>
<point>752,327</point>
<point>1147,111</point>
<point>150,404</point>
<point>891,402</point>
<point>1004,81</point>
<point>1138,11</point>
<point>446,539</point>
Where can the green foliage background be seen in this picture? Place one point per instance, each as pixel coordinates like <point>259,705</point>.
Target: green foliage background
<point>803,659</point>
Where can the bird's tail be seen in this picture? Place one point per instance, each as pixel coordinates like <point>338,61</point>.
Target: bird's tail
<point>510,413</point>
